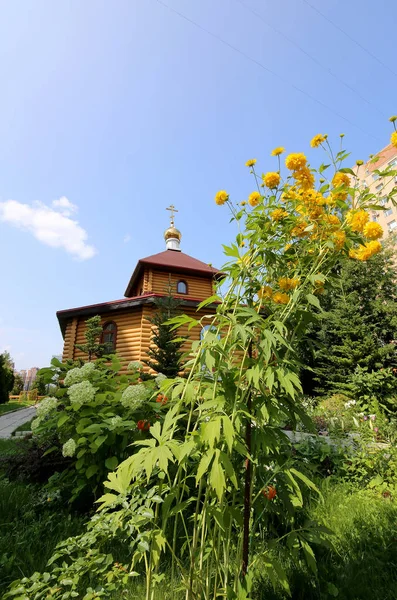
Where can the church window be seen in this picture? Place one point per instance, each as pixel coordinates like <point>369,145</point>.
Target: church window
<point>109,335</point>
<point>181,287</point>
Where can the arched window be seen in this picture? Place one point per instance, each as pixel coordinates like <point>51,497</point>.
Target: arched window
<point>181,287</point>
<point>109,335</point>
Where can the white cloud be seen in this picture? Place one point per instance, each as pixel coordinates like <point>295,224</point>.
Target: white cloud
<point>51,227</point>
<point>127,238</point>
<point>65,206</point>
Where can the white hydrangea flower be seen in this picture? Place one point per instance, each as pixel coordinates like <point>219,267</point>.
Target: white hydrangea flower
<point>69,448</point>
<point>79,374</point>
<point>350,403</point>
<point>134,365</point>
<point>134,396</point>
<point>81,393</point>
<point>46,406</point>
<point>115,421</point>
<point>35,424</point>
<point>160,377</point>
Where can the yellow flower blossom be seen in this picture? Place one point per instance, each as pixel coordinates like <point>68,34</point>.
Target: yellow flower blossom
<point>341,179</point>
<point>339,239</point>
<point>277,151</point>
<point>393,139</point>
<point>317,140</point>
<point>365,252</point>
<point>280,298</point>
<point>299,229</point>
<point>265,292</point>
<point>278,214</point>
<point>333,220</point>
<point>221,197</point>
<point>296,161</point>
<point>373,231</point>
<point>243,203</point>
<point>287,283</point>
<point>254,199</point>
<point>357,220</point>
<point>251,162</point>
<point>271,179</point>
<point>304,177</point>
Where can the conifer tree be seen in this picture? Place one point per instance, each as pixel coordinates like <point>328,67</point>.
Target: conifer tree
<point>6,377</point>
<point>165,354</point>
<point>359,326</point>
<point>92,335</point>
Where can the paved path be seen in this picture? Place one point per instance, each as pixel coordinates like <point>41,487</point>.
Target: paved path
<point>10,421</point>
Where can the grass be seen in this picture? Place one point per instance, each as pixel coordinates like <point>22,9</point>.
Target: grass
<point>24,427</point>
<point>30,528</point>
<point>11,406</point>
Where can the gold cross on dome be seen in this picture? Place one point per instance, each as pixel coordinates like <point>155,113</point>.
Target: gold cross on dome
<point>173,210</point>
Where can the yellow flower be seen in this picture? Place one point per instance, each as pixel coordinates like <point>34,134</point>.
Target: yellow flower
<point>392,119</point>
<point>339,239</point>
<point>373,231</point>
<point>243,203</point>
<point>251,162</point>
<point>299,229</point>
<point>280,298</point>
<point>365,252</point>
<point>271,179</point>
<point>221,197</point>
<point>304,177</point>
<point>296,161</point>
<point>287,247</point>
<point>317,140</point>
<point>333,220</point>
<point>393,138</point>
<point>357,220</point>
<point>278,214</point>
<point>265,292</point>
<point>359,163</point>
<point>286,283</point>
<point>277,151</point>
<point>341,179</point>
<point>254,199</point>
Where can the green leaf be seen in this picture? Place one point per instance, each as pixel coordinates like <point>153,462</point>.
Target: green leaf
<point>111,463</point>
<point>305,480</point>
<point>211,431</point>
<point>63,419</point>
<point>228,431</point>
<point>91,471</point>
<point>313,300</point>
<point>217,477</point>
<point>347,170</point>
<point>204,464</point>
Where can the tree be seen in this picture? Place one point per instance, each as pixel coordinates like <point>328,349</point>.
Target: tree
<point>6,377</point>
<point>359,325</point>
<point>165,353</point>
<point>92,335</point>
<point>18,385</point>
<point>39,385</point>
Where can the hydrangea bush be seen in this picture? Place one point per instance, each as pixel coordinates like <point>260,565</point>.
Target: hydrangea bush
<point>95,415</point>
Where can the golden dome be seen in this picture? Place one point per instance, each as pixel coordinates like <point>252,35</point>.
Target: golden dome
<point>172,232</point>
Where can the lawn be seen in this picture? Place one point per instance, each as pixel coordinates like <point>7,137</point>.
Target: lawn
<point>11,406</point>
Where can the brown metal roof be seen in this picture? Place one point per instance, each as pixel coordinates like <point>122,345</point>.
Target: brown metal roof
<point>173,260</point>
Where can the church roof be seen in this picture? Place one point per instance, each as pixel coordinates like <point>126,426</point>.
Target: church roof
<point>173,260</point>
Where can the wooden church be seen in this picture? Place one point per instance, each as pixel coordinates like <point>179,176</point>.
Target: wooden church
<point>126,329</point>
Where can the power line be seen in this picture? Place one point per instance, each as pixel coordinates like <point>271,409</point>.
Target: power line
<point>317,62</point>
<point>262,66</point>
<point>350,37</point>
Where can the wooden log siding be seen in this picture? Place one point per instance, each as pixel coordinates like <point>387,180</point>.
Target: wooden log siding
<point>128,334</point>
<point>197,287</point>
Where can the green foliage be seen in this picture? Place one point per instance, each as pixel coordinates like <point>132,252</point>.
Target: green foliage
<point>6,377</point>
<point>18,385</point>
<point>96,431</point>
<point>164,352</point>
<point>92,334</point>
<point>359,325</point>
<point>39,385</point>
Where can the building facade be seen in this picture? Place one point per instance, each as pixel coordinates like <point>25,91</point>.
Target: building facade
<point>126,328</point>
<point>387,158</point>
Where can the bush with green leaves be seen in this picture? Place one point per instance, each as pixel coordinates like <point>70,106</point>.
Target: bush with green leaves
<point>95,415</point>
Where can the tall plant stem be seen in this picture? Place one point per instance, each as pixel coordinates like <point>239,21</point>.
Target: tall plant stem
<point>248,481</point>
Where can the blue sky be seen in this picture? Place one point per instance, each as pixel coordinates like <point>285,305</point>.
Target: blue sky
<point>121,108</point>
